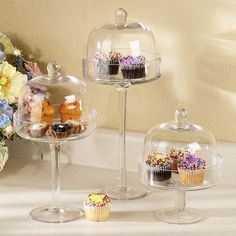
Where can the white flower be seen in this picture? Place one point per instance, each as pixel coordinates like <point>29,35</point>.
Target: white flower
<point>17,52</point>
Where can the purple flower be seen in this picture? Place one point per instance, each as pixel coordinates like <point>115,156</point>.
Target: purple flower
<point>1,55</point>
<point>4,121</point>
<point>6,109</point>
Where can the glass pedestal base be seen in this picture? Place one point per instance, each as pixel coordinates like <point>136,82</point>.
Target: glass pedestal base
<point>51,214</point>
<point>128,193</point>
<point>172,216</point>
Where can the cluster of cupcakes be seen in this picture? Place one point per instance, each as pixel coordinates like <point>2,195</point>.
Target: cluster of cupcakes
<point>42,114</point>
<point>180,161</point>
<point>132,67</point>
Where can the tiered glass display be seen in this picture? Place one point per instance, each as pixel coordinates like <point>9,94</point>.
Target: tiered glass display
<point>180,156</point>
<point>122,54</point>
<point>54,109</point>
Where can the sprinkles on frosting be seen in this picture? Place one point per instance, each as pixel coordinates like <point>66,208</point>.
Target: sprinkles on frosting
<point>158,159</point>
<point>192,162</point>
<point>178,153</point>
<point>132,60</point>
<point>107,57</point>
<point>97,200</point>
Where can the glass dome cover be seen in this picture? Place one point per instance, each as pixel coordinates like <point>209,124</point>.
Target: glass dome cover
<point>121,52</point>
<point>54,108</point>
<point>176,152</point>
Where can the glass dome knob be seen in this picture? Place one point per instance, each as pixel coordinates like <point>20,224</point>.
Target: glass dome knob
<point>121,17</point>
<point>181,118</point>
<point>53,69</point>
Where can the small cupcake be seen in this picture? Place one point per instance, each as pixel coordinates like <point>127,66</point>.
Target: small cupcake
<point>48,112</point>
<point>107,63</point>
<point>177,154</point>
<point>133,67</point>
<point>160,167</point>
<point>97,207</point>
<point>77,126</point>
<point>37,130</point>
<point>60,130</point>
<point>191,170</point>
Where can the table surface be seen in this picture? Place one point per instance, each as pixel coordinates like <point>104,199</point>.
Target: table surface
<point>25,185</point>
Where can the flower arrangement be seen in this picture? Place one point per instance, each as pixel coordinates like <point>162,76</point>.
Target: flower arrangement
<point>15,70</point>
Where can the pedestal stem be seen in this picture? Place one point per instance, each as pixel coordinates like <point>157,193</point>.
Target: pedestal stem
<point>179,201</point>
<point>55,158</point>
<point>122,103</point>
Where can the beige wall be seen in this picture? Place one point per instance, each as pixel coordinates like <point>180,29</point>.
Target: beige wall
<point>196,38</point>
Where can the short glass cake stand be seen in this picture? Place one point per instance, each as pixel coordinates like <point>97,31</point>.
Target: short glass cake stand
<point>177,141</point>
<point>54,109</point>
<point>122,54</point>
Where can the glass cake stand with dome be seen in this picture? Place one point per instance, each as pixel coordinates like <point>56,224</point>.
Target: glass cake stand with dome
<point>180,156</point>
<point>55,109</point>
<point>122,54</point>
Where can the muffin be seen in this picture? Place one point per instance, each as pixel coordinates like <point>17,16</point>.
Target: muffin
<point>133,67</point>
<point>70,109</point>
<point>191,170</point>
<point>60,130</point>
<point>37,130</point>
<point>177,154</point>
<point>97,207</point>
<point>159,167</point>
<point>77,126</point>
<point>107,63</point>
<point>48,112</point>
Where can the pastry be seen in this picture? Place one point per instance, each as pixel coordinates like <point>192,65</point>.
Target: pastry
<point>107,63</point>
<point>77,126</point>
<point>159,167</point>
<point>133,67</point>
<point>191,170</point>
<point>60,130</point>
<point>70,109</point>
<point>37,130</point>
<point>177,154</point>
<point>48,112</point>
<point>97,207</point>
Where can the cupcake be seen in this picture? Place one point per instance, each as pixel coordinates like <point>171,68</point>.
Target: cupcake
<point>70,109</point>
<point>48,112</point>
<point>159,167</point>
<point>37,130</point>
<point>177,154</point>
<point>97,207</point>
<point>107,63</point>
<point>191,170</point>
<point>133,67</point>
<point>77,126</point>
<point>60,130</point>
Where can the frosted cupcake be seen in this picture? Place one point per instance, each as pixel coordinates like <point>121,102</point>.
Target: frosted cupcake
<point>160,167</point>
<point>97,207</point>
<point>107,63</point>
<point>191,170</point>
<point>133,67</point>
<point>177,154</point>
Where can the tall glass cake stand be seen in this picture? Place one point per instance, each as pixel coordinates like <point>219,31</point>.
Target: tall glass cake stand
<point>122,54</point>
<point>181,157</point>
<point>54,109</point>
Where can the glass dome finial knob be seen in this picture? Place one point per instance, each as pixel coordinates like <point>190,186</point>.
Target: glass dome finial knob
<point>181,116</point>
<point>121,16</point>
<point>53,69</point>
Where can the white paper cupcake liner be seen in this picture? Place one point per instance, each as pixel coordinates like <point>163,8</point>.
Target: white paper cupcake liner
<point>97,213</point>
<point>191,178</point>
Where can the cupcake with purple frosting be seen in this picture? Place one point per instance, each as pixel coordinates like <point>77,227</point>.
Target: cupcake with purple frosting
<point>159,167</point>
<point>133,67</point>
<point>107,63</point>
<point>191,170</point>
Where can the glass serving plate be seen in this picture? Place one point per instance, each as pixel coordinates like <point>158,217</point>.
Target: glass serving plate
<point>180,156</point>
<point>55,109</point>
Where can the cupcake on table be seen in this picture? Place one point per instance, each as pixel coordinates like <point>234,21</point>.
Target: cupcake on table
<point>191,170</point>
<point>97,207</point>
